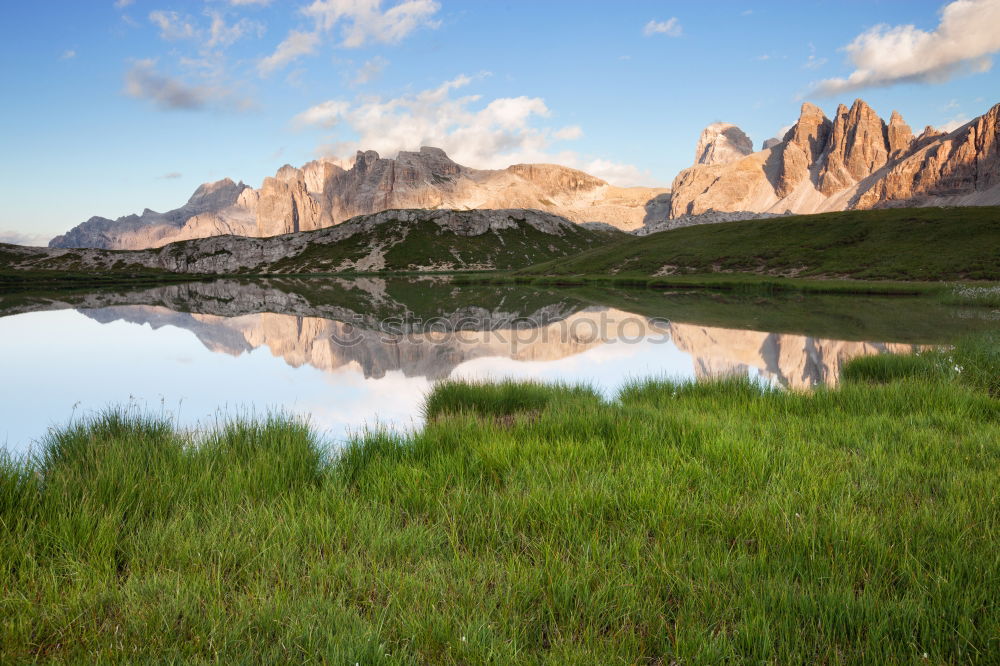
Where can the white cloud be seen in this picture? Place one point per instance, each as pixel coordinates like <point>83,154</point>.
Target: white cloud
<point>144,81</point>
<point>671,28</point>
<point>122,4</point>
<point>221,34</point>
<point>364,20</point>
<point>615,173</point>
<point>68,55</point>
<point>570,133</point>
<point>474,132</point>
<point>359,22</point>
<point>173,175</point>
<point>886,55</point>
<point>955,122</point>
<point>296,45</point>
<point>326,114</point>
<point>370,70</point>
<point>14,237</point>
<point>173,26</point>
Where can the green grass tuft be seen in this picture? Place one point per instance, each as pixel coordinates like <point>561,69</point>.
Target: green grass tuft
<point>498,399</point>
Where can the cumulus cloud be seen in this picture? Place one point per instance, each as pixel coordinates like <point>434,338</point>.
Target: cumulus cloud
<point>671,28</point>
<point>886,55</point>
<point>359,23</point>
<point>14,237</point>
<point>478,133</point>
<point>144,81</point>
<point>295,45</point>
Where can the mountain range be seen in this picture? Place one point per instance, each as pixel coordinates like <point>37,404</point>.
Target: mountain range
<point>856,160</point>
<point>323,194</point>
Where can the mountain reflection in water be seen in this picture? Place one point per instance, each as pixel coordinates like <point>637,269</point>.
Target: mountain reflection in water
<point>349,353</point>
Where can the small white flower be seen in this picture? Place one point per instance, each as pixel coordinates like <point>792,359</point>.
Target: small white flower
<point>463,639</point>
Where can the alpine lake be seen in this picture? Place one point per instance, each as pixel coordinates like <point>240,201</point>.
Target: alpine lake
<point>347,355</point>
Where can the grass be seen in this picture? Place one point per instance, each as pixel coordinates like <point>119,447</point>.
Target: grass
<point>678,523</point>
<point>903,244</point>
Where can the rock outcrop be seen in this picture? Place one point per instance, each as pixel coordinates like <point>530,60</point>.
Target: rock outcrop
<point>856,160</point>
<point>392,240</point>
<point>323,193</point>
<point>721,143</point>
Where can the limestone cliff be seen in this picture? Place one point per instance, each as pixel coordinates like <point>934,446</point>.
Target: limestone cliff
<point>322,194</point>
<point>721,143</point>
<point>856,160</point>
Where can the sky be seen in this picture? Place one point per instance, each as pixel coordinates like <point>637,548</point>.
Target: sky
<point>113,106</point>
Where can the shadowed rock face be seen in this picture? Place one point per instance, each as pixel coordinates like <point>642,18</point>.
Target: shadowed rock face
<point>323,193</point>
<point>855,160</point>
<point>721,143</point>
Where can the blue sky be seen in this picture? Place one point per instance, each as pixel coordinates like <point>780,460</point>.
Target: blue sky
<point>111,106</point>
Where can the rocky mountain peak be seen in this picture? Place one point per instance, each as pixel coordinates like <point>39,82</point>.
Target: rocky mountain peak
<point>721,143</point>
<point>900,135</point>
<point>810,131</point>
<point>214,196</point>
<point>856,160</point>
<point>804,143</point>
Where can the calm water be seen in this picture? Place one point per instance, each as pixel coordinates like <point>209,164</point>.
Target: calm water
<point>346,354</point>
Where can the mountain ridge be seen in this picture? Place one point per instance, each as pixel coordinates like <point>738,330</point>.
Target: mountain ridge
<point>322,194</point>
<point>854,161</point>
<point>391,240</point>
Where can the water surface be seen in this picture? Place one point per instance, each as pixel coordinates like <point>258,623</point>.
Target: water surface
<point>350,354</point>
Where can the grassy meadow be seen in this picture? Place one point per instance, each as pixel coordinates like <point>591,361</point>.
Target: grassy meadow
<point>898,244</point>
<point>677,523</point>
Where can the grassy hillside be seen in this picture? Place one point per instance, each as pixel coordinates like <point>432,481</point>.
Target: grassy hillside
<point>686,524</point>
<point>895,244</point>
<point>426,246</point>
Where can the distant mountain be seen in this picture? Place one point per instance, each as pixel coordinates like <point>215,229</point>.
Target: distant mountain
<point>393,240</point>
<point>854,161</point>
<point>322,194</point>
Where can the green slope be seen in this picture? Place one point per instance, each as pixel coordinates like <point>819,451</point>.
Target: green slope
<point>895,244</point>
<point>413,246</point>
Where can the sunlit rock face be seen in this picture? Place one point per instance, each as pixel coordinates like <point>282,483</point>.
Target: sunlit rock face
<point>323,193</point>
<point>855,160</point>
